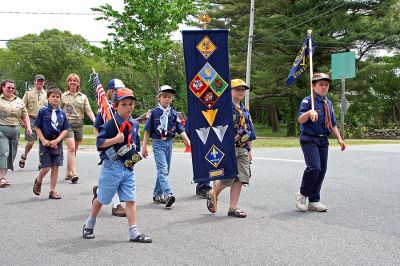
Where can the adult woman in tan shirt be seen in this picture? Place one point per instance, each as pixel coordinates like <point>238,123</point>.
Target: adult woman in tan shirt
<point>75,104</point>
<point>12,111</point>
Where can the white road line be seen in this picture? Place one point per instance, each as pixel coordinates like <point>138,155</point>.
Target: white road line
<point>276,159</point>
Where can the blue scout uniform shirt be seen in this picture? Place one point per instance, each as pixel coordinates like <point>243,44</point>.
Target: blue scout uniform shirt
<point>174,124</point>
<point>317,128</point>
<point>243,135</point>
<point>43,121</point>
<point>118,151</point>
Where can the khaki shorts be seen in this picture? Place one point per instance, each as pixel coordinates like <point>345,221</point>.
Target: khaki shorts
<point>75,131</point>
<point>243,165</point>
<point>32,137</point>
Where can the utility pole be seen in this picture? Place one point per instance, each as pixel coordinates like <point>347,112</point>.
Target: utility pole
<point>249,52</point>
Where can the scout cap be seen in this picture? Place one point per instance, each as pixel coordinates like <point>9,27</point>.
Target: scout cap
<point>321,76</point>
<point>166,88</point>
<point>39,77</point>
<point>123,93</point>
<point>238,82</point>
<point>115,84</point>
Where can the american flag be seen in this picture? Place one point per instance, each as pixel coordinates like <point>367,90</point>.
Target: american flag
<point>101,97</point>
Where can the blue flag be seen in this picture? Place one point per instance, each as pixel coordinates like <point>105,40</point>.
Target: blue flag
<point>300,64</point>
<point>210,114</point>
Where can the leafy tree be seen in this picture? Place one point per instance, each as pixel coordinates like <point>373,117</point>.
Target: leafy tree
<point>141,33</point>
<point>280,27</point>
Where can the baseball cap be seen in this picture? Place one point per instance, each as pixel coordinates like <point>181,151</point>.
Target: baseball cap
<point>238,82</point>
<point>115,84</point>
<point>321,76</point>
<point>166,88</point>
<point>123,93</point>
<point>39,77</point>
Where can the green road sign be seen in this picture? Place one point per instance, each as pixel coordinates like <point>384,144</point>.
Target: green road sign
<point>343,65</point>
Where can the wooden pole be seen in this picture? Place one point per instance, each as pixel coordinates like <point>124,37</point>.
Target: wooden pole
<point>309,33</point>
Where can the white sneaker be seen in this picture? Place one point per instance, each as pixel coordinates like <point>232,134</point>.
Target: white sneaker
<point>317,206</point>
<point>300,202</point>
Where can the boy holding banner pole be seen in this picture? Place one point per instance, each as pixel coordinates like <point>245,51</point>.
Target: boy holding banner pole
<point>244,136</point>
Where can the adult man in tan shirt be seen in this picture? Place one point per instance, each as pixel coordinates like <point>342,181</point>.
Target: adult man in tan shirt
<point>33,100</point>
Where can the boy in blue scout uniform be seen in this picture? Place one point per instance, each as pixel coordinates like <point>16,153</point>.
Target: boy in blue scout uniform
<point>112,86</point>
<point>51,127</point>
<point>315,127</point>
<point>244,136</point>
<point>119,152</point>
<point>162,126</point>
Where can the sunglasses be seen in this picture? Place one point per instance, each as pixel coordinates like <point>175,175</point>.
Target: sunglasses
<point>10,87</point>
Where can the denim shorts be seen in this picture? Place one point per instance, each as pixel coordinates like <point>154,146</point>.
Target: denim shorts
<point>115,177</point>
<point>51,157</point>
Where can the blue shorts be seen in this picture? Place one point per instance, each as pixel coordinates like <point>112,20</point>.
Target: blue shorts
<point>115,177</point>
<point>50,157</point>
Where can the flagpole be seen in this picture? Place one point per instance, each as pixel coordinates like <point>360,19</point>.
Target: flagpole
<point>249,52</point>
<point>309,33</point>
<point>109,107</point>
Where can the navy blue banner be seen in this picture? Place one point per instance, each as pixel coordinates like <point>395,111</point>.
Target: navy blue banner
<point>300,63</point>
<point>209,104</point>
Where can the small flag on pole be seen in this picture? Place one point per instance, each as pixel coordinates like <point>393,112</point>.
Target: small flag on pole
<point>300,63</point>
<point>100,97</point>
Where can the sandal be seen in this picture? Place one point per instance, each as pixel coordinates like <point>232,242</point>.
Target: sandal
<point>4,182</point>
<point>74,179</point>
<point>238,213</point>
<point>141,239</point>
<point>37,187</point>
<point>68,177</point>
<point>22,161</point>
<point>54,195</point>
<point>210,202</point>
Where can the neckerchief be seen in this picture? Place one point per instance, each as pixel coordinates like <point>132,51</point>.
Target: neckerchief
<point>328,121</point>
<point>242,120</point>
<point>128,125</point>
<point>164,118</point>
<point>54,121</point>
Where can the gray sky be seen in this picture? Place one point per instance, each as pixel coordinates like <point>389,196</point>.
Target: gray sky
<point>17,25</point>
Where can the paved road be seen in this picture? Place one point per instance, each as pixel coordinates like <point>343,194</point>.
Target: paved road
<point>361,227</point>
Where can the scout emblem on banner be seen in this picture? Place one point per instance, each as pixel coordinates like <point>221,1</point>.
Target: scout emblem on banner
<point>209,104</point>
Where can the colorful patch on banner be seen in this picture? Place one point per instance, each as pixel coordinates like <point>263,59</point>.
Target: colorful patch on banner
<point>210,115</point>
<point>220,131</point>
<point>219,85</point>
<point>198,86</point>
<point>208,73</point>
<point>216,173</point>
<point>206,47</point>
<point>203,134</point>
<point>209,98</point>
<point>214,156</point>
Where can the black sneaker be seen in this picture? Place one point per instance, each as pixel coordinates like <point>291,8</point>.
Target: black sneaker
<point>203,192</point>
<point>87,233</point>
<point>169,200</point>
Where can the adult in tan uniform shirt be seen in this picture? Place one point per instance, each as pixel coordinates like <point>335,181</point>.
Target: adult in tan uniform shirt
<point>12,111</point>
<point>75,104</point>
<point>33,100</point>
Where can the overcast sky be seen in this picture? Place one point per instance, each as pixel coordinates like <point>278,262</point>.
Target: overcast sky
<point>17,25</point>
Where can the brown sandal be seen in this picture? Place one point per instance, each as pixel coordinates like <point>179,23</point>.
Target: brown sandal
<point>22,161</point>
<point>3,182</point>
<point>54,195</point>
<point>238,213</point>
<point>37,187</point>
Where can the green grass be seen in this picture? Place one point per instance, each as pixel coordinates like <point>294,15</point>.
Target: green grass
<point>266,139</point>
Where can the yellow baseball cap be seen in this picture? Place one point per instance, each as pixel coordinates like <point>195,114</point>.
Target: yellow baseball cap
<point>238,82</point>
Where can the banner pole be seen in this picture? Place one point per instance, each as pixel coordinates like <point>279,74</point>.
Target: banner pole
<point>309,33</point>
<point>215,194</point>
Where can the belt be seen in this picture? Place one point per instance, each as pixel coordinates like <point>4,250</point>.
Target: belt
<point>32,117</point>
<point>317,135</point>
